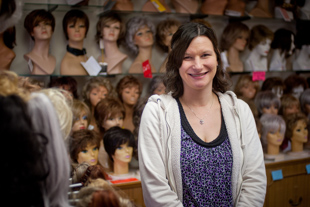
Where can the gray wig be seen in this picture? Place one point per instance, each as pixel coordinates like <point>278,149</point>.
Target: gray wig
<point>132,26</point>
<point>45,122</point>
<point>264,99</point>
<point>270,124</point>
<point>305,99</point>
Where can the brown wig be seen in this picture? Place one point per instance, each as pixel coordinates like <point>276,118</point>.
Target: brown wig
<point>127,82</point>
<point>162,29</point>
<point>258,34</point>
<point>231,33</point>
<point>80,140</point>
<point>107,108</point>
<point>72,16</point>
<point>291,122</point>
<point>37,16</point>
<point>110,17</point>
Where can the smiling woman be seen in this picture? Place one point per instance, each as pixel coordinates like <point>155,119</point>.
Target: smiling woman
<point>191,135</point>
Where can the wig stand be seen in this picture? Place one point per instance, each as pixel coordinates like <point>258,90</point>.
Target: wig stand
<point>261,9</point>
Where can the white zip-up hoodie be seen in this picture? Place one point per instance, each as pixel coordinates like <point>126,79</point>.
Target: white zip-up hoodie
<point>160,145</point>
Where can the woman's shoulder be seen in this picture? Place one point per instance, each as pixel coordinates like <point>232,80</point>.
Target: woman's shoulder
<point>165,100</point>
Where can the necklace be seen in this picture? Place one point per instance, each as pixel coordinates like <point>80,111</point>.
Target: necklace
<point>76,52</point>
<point>201,121</point>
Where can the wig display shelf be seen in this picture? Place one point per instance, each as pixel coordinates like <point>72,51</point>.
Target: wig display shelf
<point>294,188</point>
<point>133,191</point>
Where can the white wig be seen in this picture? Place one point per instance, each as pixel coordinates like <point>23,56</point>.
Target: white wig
<point>45,122</point>
<point>63,109</point>
<point>270,124</point>
<point>132,26</point>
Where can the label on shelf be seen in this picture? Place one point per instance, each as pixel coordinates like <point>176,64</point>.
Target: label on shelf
<point>91,66</point>
<point>158,5</point>
<point>308,168</point>
<point>259,75</point>
<point>277,175</point>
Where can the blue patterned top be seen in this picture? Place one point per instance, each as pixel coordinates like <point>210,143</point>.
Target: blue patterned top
<point>206,168</point>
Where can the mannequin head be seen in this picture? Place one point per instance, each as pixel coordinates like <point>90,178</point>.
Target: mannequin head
<point>267,103</point>
<point>67,83</point>
<point>84,146</point>
<point>75,21</point>
<point>156,86</point>
<point>108,113</point>
<point>305,101</point>
<point>96,89</point>
<point>297,130</point>
<point>284,41</point>
<point>81,115</point>
<point>234,35</point>
<point>129,89</point>
<point>40,24</point>
<point>260,39</point>
<point>295,85</point>
<point>110,28</point>
<point>274,84</point>
<point>164,32</point>
<point>289,105</point>
<point>119,144</point>
<point>139,33</point>
<point>246,87</point>
<point>273,131</point>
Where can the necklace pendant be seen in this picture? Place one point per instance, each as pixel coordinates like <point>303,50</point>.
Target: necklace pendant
<point>201,122</point>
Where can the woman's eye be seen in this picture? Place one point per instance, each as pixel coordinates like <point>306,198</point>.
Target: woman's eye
<point>186,57</point>
<point>84,151</point>
<point>111,119</point>
<point>71,25</point>
<point>106,26</point>
<point>119,148</point>
<point>298,130</point>
<point>95,149</point>
<point>121,118</point>
<point>84,117</point>
<point>139,34</point>
<point>116,27</point>
<point>94,94</point>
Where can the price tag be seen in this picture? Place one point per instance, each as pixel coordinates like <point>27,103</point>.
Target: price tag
<point>277,175</point>
<point>259,75</point>
<point>158,5</point>
<point>147,71</point>
<point>308,168</point>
